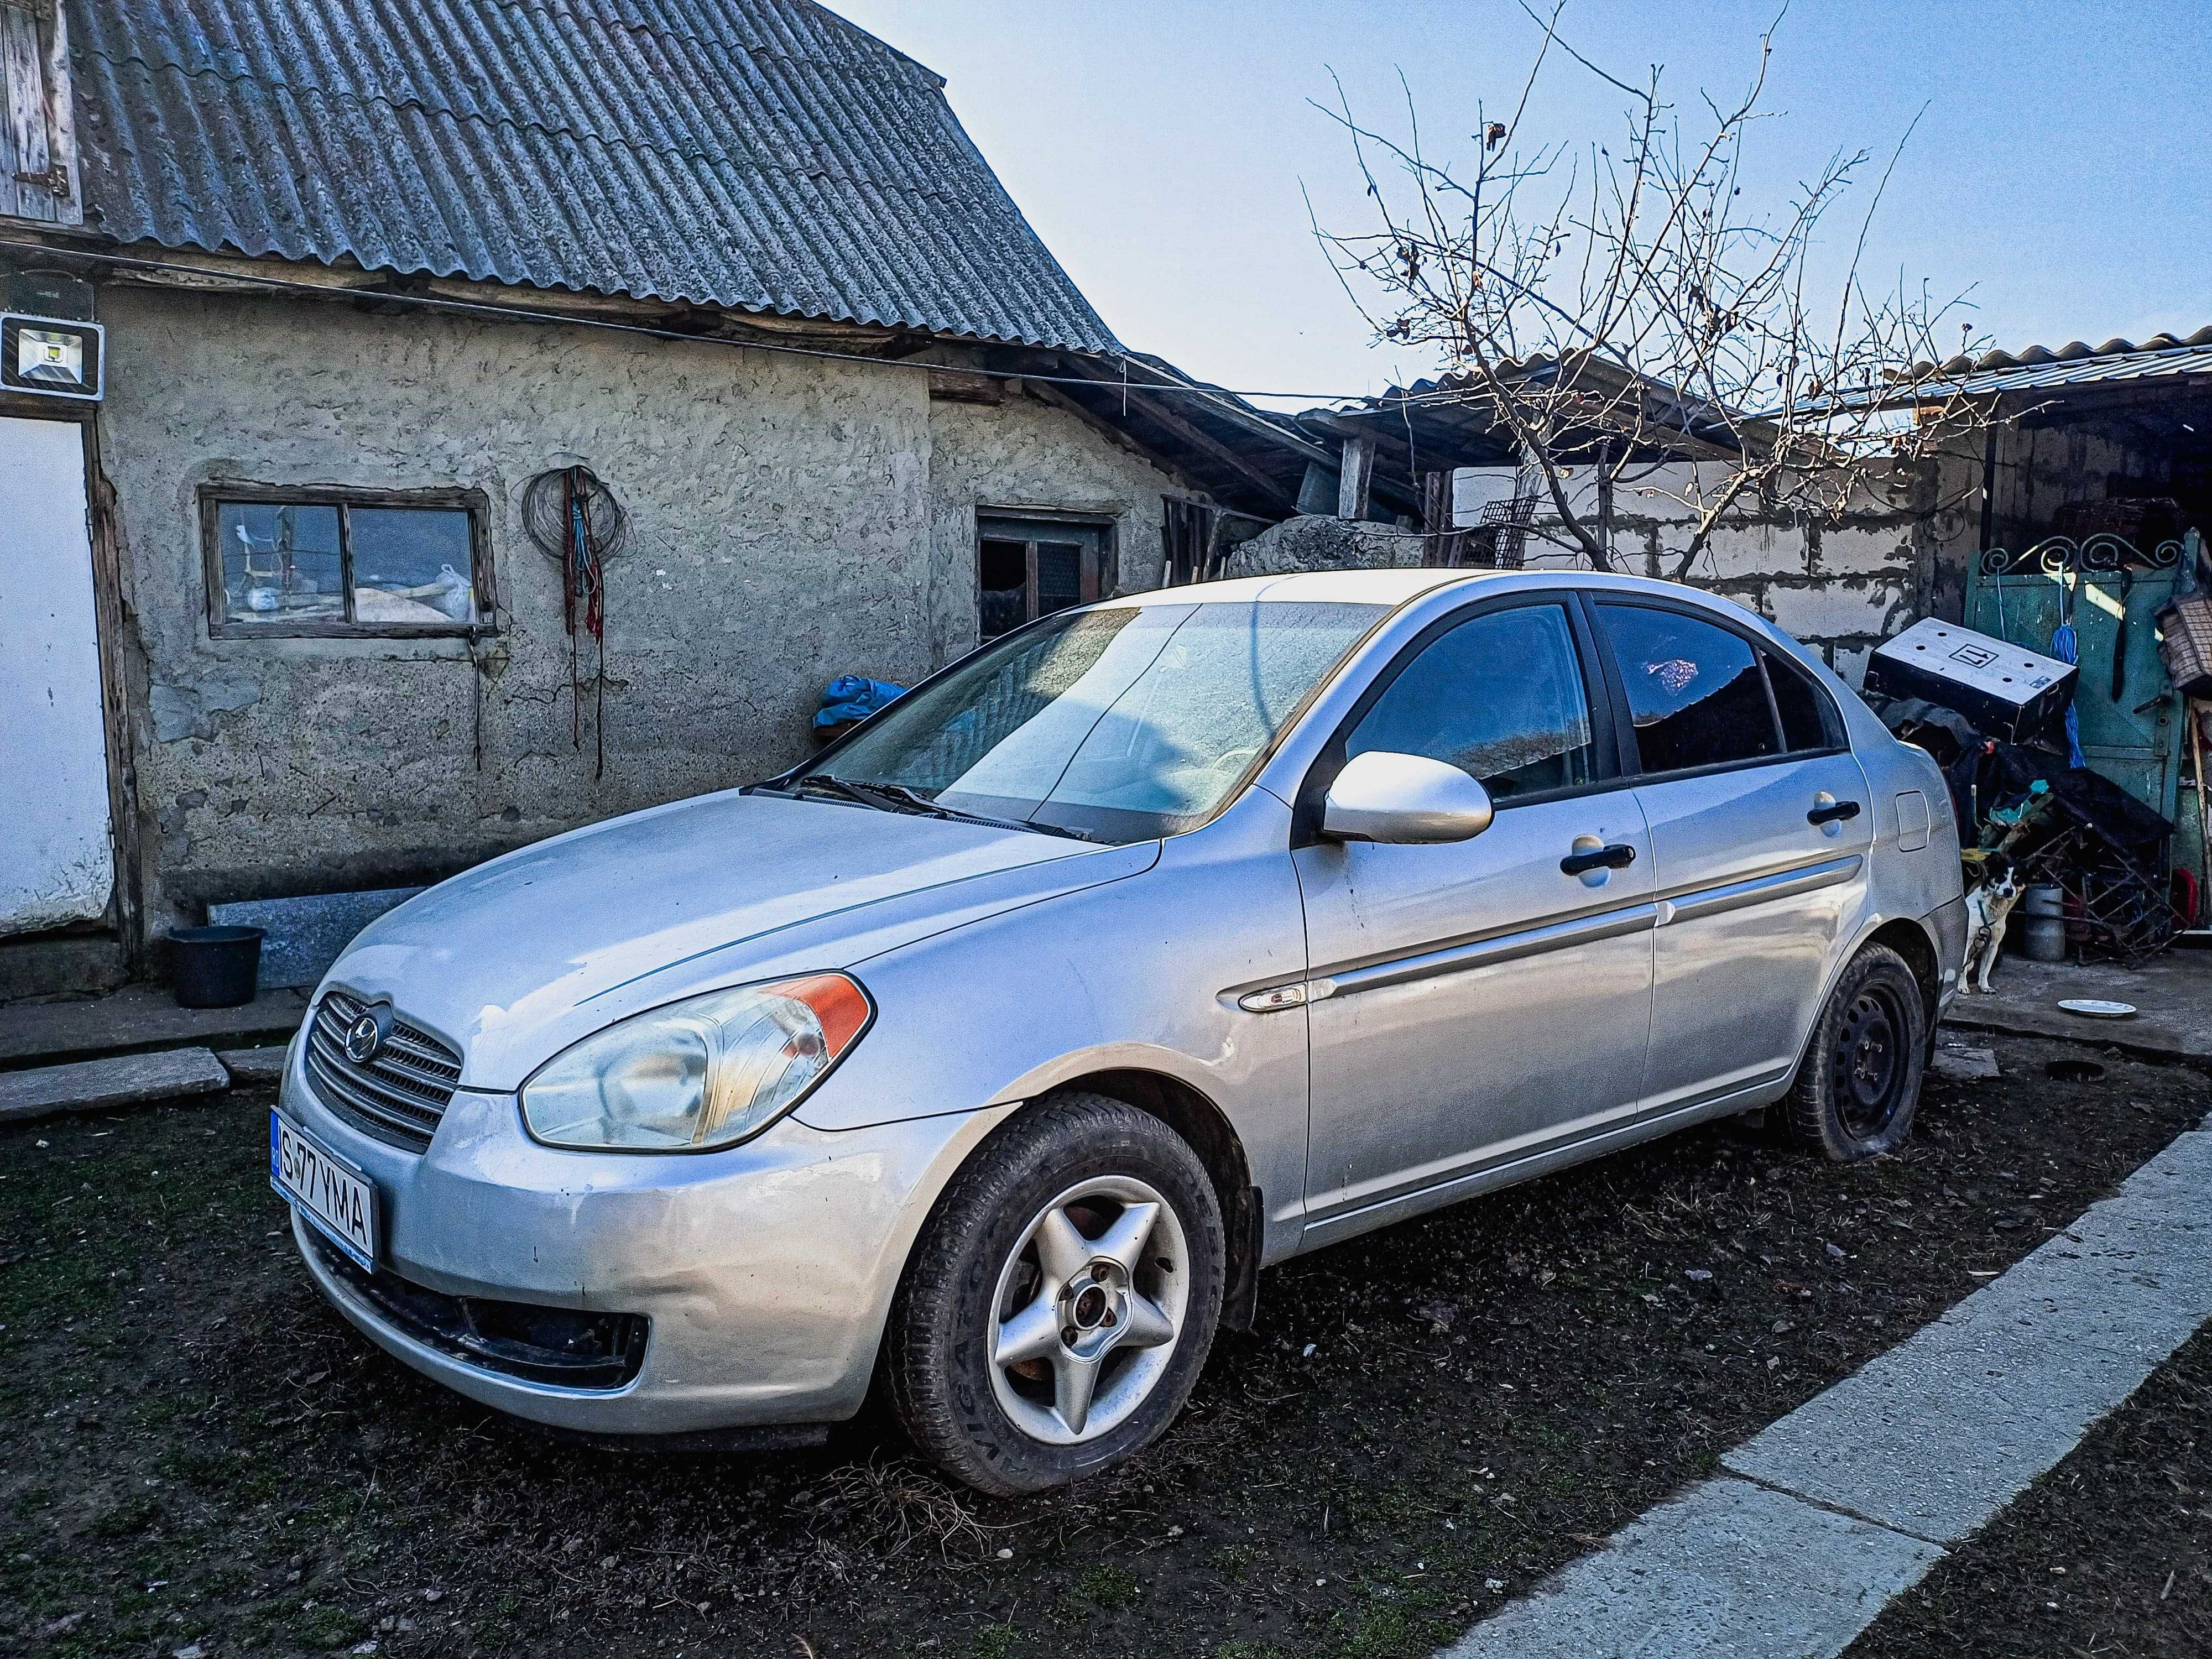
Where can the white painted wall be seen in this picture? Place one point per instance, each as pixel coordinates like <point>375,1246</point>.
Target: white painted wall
<point>57,864</point>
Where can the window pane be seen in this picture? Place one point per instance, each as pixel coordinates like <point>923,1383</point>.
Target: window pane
<point>1804,718</point>
<point>1125,722</point>
<point>1694,691</point>
<point>1060,576</point>
<point>280,563</point>
<point>1500,697</point>
<point>412,564</point>
<point>1005,582</point>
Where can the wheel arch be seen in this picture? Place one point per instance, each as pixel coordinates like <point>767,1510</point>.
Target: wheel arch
<point>1205,1129</point>
<point>1910,939</point>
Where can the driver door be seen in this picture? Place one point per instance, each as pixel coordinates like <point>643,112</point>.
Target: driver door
<point>1472,1005</point>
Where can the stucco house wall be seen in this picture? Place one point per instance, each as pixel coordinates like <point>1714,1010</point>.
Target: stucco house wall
<point>791,519</point>
<point>1025,454</point>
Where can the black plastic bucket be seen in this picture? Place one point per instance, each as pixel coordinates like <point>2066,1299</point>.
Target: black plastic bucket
<point>214,966</point>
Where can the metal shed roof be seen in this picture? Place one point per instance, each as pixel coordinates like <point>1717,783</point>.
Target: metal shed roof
<point>762,155</point>
<point>2039,369</point>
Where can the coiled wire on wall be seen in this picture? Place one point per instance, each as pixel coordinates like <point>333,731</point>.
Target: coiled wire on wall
<point>576,521</point>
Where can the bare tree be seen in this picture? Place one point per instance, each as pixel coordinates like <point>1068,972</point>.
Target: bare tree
<point>1615,305</point>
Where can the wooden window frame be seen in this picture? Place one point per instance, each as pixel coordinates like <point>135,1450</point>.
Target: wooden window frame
<point>213,497</point>
<point>1097,569</point>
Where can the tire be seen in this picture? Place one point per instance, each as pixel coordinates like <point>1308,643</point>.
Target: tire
<point>991,1262</point>
<point>1858,1085</point>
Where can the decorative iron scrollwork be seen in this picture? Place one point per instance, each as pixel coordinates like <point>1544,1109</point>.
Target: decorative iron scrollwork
<point>2102,554</point>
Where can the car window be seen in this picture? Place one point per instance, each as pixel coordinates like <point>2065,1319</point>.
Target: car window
<point>1500,696</point>
<point>1806,723</point>
<point>1124,722</point>
<point>1694,690</point>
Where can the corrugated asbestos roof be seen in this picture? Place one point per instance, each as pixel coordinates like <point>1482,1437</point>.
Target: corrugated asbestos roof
<point>2039,369</point>
<point>763,155</point>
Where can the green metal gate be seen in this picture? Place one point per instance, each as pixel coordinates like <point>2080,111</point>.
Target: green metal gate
<point>2132,720</point>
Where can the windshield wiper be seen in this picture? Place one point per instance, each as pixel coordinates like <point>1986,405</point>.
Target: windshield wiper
<point>898,797</point>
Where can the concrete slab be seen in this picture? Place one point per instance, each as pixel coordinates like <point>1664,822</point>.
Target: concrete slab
<point>1848,1500</point>
<point>303,937</point>
<point>1964,1063</point>
<point>138,1018</point>
<point>1728,1568</point>
<point>123,1080</point>
<point>2171,994</point>
<point>1937,1435</point>
<point>254,1067</point>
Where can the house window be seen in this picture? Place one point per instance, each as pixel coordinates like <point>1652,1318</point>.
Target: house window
<point>322,563</point>
<point>1030,568</point>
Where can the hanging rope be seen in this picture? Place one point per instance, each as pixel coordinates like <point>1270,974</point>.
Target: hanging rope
<point>575,519</point>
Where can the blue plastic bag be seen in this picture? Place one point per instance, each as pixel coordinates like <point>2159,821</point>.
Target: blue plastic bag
<point>852,697</point>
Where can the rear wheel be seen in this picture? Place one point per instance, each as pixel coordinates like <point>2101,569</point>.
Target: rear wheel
<point>1859,1083</point>
<point>1061,1299</point>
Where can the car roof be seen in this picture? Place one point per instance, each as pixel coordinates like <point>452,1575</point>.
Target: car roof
<point>1396,587</point>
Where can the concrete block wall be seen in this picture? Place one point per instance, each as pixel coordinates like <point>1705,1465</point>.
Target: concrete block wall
<point>1840,587</point>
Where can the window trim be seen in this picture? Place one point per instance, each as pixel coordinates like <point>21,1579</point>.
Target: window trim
<point>1605,741</point>
<point>1098,571</point>
<point>216,495</point>
<point>1624,718</point>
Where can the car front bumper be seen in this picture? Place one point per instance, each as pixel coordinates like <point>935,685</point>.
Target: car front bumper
<point>764,1271</point>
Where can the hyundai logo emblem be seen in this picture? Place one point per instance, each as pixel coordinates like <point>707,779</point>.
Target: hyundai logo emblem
<point>364,1038</point>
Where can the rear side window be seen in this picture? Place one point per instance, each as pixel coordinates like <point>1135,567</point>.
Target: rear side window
<point>1807,722</point>
<point>1500,696</point>
<point>1695,692</point>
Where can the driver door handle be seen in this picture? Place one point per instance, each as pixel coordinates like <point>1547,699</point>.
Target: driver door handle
<point>1834,812</point>
<point>1619,856</point>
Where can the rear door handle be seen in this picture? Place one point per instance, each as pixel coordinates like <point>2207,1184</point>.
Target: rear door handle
<point>1835,811</point>
<point>1617,856</point>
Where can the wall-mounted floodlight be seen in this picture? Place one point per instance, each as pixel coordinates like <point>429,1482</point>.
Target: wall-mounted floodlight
<point>51,357</point>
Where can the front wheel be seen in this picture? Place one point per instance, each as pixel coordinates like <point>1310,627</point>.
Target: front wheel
<point>1061,1298</point>
<point>1859,1083</point>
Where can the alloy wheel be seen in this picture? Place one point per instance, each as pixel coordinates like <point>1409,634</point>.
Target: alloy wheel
<point>1091,1305</point>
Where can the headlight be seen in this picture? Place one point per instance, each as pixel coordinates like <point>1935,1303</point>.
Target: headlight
<point>704,1072</point>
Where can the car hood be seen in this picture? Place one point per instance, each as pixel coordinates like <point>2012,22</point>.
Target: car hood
<point>516,960</point>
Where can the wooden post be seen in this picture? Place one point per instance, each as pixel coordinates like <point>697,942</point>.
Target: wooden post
<point>1354,476</point>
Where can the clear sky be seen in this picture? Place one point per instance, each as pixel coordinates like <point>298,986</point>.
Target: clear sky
<point>2063,170</point>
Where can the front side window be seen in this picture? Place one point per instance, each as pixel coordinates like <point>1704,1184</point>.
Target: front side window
<point>1121,724</point>
<point>331,563</point>
<point>1500,697</point>
<point>1695,692</point>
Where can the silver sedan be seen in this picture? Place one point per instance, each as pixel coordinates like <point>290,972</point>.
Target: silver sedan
<point>992,1054</point>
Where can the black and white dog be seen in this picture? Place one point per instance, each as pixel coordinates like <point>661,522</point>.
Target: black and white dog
<point>1987,906</point>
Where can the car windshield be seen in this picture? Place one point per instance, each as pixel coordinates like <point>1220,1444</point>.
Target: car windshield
<point>1120,724</point>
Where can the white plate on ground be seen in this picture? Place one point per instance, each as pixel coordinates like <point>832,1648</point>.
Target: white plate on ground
<point>2094,1008</point>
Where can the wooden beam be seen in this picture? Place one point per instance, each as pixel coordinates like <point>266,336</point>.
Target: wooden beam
<point>1098,424</point>
<point>1197,438</point>
<point>1354,477</point>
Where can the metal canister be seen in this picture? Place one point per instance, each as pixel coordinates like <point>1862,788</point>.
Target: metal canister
<point>2042,933</point>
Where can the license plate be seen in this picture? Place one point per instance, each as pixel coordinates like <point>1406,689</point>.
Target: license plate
<point>337,1198</point>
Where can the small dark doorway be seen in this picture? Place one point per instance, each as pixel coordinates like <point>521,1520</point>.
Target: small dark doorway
<point>1030,568</point>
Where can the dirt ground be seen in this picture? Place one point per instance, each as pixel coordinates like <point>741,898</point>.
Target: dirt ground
<point>2110,1555</point>
<point>200,1454</point>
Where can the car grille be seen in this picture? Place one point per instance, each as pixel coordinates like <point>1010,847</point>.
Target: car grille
<point>400,1095</point>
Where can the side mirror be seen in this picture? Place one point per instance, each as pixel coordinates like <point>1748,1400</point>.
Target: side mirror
<point>1404,800</point>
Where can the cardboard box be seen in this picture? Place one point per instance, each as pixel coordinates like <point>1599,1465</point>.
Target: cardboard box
<point>2008,691</point>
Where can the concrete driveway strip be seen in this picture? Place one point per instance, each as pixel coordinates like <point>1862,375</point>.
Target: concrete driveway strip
<point>1847,1501</point>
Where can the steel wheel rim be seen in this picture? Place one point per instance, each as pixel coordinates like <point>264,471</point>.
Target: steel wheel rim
<point>1106,1263</point>
<point>1869,1068</point>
